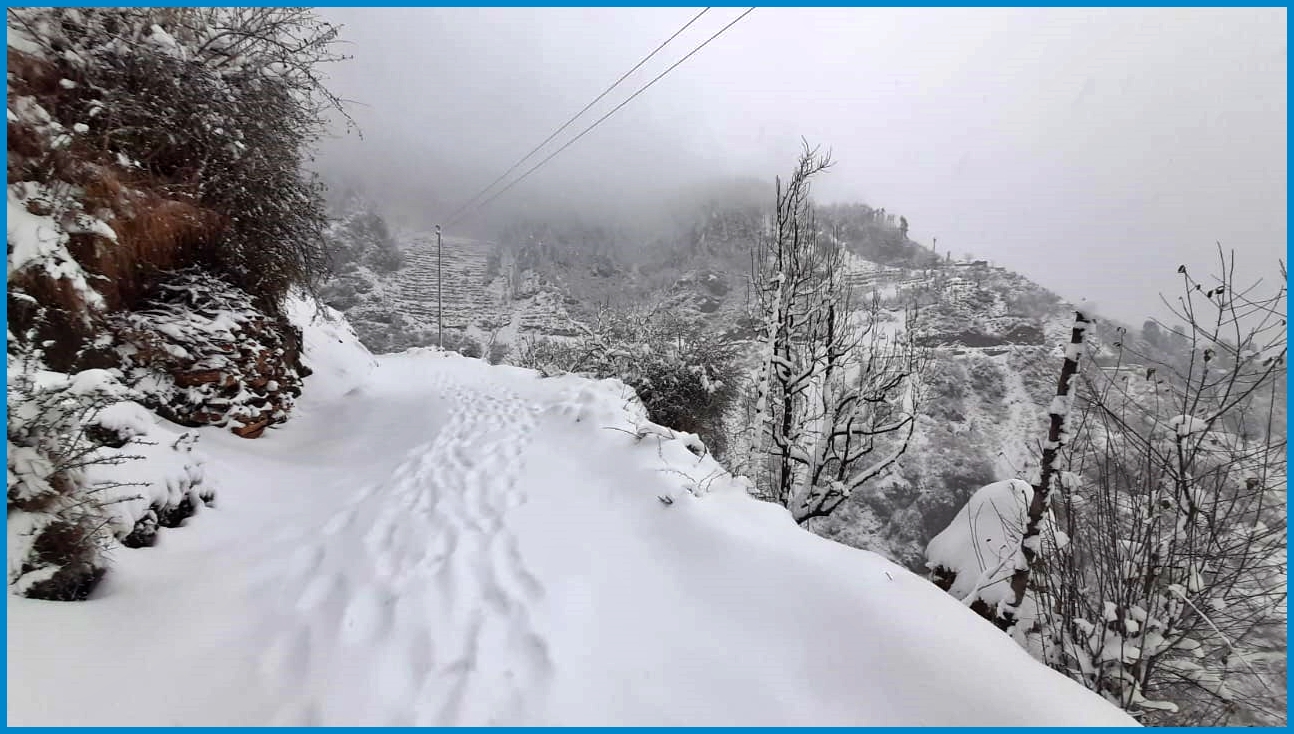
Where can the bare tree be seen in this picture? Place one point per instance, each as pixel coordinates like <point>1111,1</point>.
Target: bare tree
<point>836,396</point>
<point>1170,596</point>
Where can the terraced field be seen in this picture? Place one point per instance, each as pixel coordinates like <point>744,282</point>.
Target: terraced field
<point>475,299</point>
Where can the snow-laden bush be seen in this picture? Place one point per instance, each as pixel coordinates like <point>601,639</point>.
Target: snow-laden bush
<point>162,489</point>
<point>86,468</point>
<point>987,380</point>
<point>973,558</point>
<point>57,525</point>
<point>1159,577</point>
<point>1172,602</point>
<point>684,374</point>
<point>213,109</point>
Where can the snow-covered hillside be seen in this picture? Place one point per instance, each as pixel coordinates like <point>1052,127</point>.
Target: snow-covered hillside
<point>397,288</point>
<point>432,540</point>
<point>993,336</point>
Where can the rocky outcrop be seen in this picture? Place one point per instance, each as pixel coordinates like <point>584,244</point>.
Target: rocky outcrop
<point>200,355</point>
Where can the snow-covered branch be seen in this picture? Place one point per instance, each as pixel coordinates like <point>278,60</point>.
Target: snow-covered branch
<point>833,389</point>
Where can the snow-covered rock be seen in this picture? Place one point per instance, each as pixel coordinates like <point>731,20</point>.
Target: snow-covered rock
<point>978,549</point>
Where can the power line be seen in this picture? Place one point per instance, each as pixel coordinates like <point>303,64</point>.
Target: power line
<point>577,115</point>
<point>589,129</point>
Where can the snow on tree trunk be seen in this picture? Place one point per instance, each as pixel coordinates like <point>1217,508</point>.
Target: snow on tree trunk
<point>1030,544</point>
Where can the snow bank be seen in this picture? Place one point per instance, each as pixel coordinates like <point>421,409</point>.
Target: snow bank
<point>459,544</point>
<point>157,478</point>
<point>332,351</point>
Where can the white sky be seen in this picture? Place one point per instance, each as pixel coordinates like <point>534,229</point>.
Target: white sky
<point>1092,150</point>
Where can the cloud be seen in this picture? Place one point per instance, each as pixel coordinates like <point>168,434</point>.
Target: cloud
<point>1092,150</point>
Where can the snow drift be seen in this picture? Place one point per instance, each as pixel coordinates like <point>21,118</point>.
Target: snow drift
<point>433,540</point>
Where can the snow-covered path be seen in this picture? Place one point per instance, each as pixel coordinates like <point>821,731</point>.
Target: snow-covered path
<point>441,542</point>
<point>418,544</point>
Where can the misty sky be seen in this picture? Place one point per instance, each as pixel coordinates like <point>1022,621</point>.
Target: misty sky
<point>1091,150</point>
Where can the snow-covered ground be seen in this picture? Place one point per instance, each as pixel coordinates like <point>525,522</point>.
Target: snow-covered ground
<point>432,540</point>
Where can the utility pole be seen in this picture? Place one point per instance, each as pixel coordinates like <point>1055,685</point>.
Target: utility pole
<point>440,294</point>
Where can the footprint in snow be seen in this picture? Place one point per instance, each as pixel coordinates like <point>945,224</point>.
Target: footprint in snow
<point>317,591</point>
<point>367,614</point>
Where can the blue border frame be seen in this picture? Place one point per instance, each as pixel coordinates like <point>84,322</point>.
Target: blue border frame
<point>1289,382</point>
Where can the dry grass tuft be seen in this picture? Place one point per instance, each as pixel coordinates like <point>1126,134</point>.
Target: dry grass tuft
<point>155,235</point>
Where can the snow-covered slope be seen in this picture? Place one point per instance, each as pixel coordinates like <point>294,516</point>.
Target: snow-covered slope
<point>466,297</point>
<point>398,288</point>
<point>432,540</point>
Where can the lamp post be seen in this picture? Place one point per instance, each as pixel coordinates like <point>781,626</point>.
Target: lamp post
<point>440,294</point>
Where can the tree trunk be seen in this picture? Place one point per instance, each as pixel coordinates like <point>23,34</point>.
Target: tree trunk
<point>1030,543</point>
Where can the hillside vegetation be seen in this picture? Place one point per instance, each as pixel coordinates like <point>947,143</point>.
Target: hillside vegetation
<point>159,213</point>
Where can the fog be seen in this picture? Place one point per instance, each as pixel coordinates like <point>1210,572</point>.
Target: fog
<point>1091,150</point>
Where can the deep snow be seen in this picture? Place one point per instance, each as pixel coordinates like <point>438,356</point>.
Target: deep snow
<point>431,540</point>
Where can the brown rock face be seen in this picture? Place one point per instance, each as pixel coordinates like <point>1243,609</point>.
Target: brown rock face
<point>222,361</point>
<point>251,430</point>
<point>193,379</point>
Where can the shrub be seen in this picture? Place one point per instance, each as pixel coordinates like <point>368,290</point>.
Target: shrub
<point>945,384</point>
<point>340,294</point>
<point>86,464</point>
<point>57,523</point>
<point>465,345</point>
<point>987,381</point>
<point>212,109</point>
<point>498,352</point>
<point>685,374</point>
